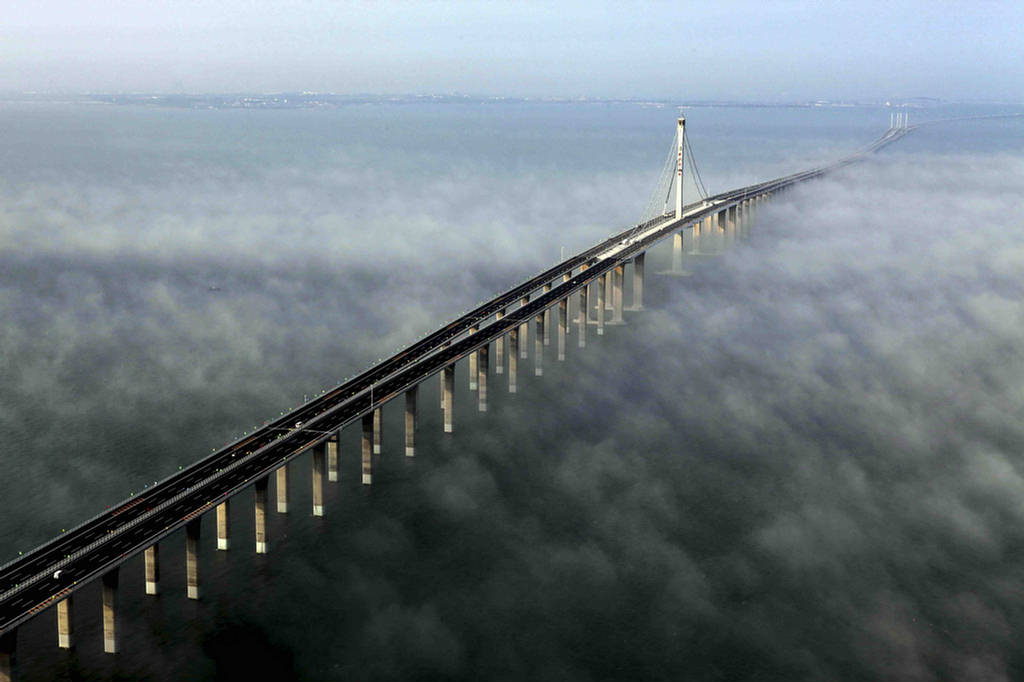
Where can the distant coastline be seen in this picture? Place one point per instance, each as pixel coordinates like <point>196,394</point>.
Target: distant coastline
<point>319,100</point>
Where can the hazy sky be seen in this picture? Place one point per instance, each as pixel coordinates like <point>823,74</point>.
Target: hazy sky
<point>729,50</point>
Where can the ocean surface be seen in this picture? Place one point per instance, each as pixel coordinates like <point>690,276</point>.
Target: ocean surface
<point>803,462</point>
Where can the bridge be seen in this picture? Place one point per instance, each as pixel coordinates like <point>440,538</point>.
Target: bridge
<point>498,330</point>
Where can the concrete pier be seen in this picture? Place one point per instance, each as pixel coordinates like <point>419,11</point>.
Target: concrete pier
<point>524,333</point>
<point>332,458</point>
<point>152,560</point>
<point>224,525</point>
<point>367,448</point>
<point>482,369</point>
<point>449,397</point>
<point>410,420</point>
<point>318,461</point>
<point>582,320</point>
<point>513,358</point>
<point>563,327</point>
<point>110,611</point>
<point>538,346</point>
<point>546,327</point>
<point>260,510</point>
<point>602,286</point>
<point>282,490</point>
<point>707,236</point>
<point>65,628</point>
<point>192,529</point>
<point>677,249</point>
<point>638,283</point>
<point>8,641</point>
<point>618,277</point>
<point>376,431</point>
<point>499,347</point>
<point>474,361</point>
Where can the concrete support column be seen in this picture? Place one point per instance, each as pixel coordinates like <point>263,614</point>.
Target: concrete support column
<point>524,332</point>
<point>618,276</point>
<point>376,431</point>
<point>110,612</point>
<point>474,361</point>
<point>192,529</point>
<point>563,324</point>
<point>224,525</point>
<point>332,458</point>
<point>367,448</point>
<point>568,310</point>
<point>731,217</point>
<point>282,490</point>
<point>582,322</point>
<point>546,327</point>
<point>499,347</point>
<point>538,338</point>
<point>602,286</point>
<point>582,309</point>
<point>696,232</point>
<point>513,358</point>
<point>410,420</point>
<point>152,561</point>
<point>449,396</point>
<point>677,250</point>
<point>482,369</point>
<point>638,282</point>
<point>260,510</point>
<point>65,628</point>
<point>319,452</point>
<point>8,640</point>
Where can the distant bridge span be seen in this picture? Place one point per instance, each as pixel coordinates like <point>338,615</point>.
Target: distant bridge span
<point>50,574</point>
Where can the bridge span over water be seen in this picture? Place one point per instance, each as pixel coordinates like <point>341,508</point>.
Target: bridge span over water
<point>498,331</point>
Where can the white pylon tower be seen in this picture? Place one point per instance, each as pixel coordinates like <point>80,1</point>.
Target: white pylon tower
<point>680,132</point>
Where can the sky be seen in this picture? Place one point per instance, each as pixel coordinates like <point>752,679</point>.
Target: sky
<point>733,50</point>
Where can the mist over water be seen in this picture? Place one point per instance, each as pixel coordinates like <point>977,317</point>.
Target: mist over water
<point>802,462</point>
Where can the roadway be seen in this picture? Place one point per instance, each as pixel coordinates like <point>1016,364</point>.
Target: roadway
<point>27,585</point>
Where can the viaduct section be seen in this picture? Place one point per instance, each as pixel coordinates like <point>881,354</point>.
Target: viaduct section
<point>498,331</point>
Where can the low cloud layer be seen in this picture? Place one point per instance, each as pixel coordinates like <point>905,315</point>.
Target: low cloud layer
<point>799,463</point>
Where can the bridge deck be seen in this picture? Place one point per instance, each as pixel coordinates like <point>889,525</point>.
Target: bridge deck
<point>28,585</point>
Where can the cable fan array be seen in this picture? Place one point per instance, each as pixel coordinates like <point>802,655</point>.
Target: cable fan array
<point>658,204</point>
